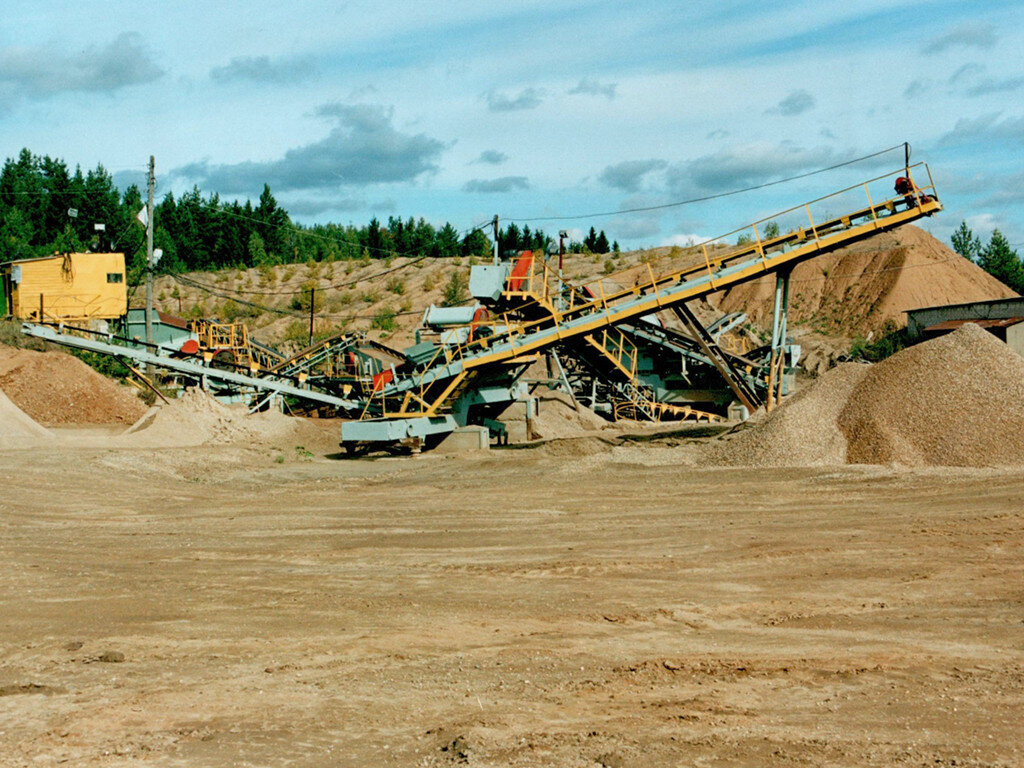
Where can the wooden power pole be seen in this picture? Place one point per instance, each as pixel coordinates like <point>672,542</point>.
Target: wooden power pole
<point>151,182</point>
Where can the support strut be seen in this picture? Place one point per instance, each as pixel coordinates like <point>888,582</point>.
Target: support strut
<point>743,391</point>
<point>780,322</point>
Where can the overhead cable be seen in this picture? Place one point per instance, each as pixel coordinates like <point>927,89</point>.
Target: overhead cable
<point>705,198</point>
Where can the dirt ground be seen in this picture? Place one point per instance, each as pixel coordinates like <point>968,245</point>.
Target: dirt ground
<point>222,606</point>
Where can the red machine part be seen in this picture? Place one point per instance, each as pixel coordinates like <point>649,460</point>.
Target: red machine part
<point>382,378</point>
<point>520,270</point>
<point>190,347</point>
<point>480,317</point>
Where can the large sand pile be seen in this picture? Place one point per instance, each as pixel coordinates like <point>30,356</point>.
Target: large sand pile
<point>17,428</point>
<point>861,288</point>
<point>954,401</point>
<point>196,418</point>
<point>957,401</point>
<point>803,431</point>
<point>55,388</point>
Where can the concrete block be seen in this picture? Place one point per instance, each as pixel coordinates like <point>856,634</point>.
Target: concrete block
<point>466,440</point>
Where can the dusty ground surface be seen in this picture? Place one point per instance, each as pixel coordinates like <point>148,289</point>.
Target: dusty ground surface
<point>212,607</point>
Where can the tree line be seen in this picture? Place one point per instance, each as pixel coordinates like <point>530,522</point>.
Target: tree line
<point>46,208</point>
<point>997,257</point>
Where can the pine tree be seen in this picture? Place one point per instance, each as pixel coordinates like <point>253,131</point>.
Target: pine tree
<point>15,237</point>
<point>446,244</point>
<point>476,244</point>
<point>1002,262</point>
<point>966,243</point>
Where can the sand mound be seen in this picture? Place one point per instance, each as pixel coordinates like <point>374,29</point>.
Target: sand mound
<point>861,288</point>
<point>196,418</point>
<point>954,401</point>
<point>55,388</point>
<point>803,431</point>
<point>193,419</point>
<point>557,417</point>
<point>17,429</point>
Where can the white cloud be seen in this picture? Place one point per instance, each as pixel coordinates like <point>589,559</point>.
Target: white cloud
<point>363,148</point>
<point>591,87</point>
<point>528,98</point>
<point>36,72</point>
<point>972,34</point>
<point>263,69</point>
<point>492,186</point>
<point>796,103</point>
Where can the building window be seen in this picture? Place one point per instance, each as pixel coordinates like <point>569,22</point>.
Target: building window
<point>115,277</point>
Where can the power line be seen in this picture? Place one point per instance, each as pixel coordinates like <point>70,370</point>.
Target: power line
<point>277,310</point>
<point>346,284</point>
<point>706,197</point>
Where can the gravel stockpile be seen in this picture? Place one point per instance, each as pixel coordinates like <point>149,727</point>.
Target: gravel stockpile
<point>957,400</point>
<point>803,431</point>
<point>558,417</point>
<point>196,418</point>
<point>55,388</point>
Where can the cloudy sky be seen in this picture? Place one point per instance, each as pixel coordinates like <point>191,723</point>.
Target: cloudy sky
<point>457,110</point>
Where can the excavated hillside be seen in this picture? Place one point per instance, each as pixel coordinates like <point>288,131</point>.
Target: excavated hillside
<point>385,297</point>
<point>867,287</point>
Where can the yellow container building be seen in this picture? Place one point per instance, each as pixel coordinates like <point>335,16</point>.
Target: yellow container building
<point>76,288</point>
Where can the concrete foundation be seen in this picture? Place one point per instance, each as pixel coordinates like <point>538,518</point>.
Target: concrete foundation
<point>466,440</point>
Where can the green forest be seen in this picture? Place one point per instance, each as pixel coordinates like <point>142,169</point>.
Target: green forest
<point>45,208</point>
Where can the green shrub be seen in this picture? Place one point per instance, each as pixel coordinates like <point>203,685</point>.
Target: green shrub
<point>384,320</point>
<point>891,341</point>
<point>297,332</point>
<point>340,300</point>
<point>11,335</point>
<point>456,290</point>
<point>307,296</point>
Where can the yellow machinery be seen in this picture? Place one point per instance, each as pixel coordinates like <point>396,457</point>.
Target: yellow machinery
<point>228,345</point>
<point>75,288</point>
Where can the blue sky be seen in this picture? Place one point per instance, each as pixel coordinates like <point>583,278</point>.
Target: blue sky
<point>461,110</point>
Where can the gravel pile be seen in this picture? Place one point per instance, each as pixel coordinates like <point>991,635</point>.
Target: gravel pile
<point>803,431</point>
<point>55,388</point>
<point>957,400</point>
<point>558,417</point>
<point>196,418</point>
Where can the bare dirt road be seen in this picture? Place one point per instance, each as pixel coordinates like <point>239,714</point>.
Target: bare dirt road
<point>210,607</point>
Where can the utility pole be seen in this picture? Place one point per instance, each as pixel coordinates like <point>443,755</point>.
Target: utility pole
<point>562,234</point>
<point>151,182</point>
<point>312,304</point>
<point>496,231</point>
